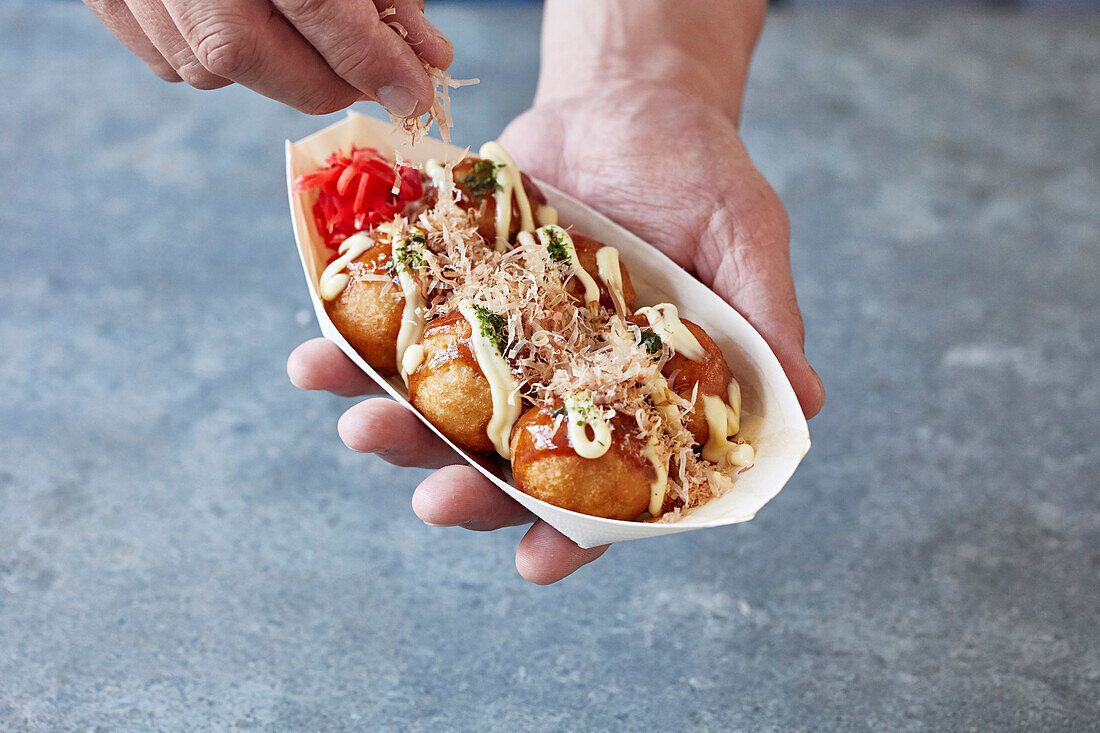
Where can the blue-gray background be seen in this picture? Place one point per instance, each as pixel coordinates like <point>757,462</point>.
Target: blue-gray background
<point>184,543</point>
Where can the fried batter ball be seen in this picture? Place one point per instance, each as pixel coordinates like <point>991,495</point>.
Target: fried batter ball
<point>368,311</point>
<point>616,485</point>
<point>448,386</point>
<point>475,182</point>
<point>587,248</point>
<point>711,373</point>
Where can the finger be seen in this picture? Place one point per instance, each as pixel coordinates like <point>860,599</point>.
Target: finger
<point>749,266</point>
<point>461,496</point>
<point>246,42</point>
<point>770,305</point>
<point>546,556</point>
<point>318,364</point>
<point>427,41</point>
<point>157,24</point>
<point>121,23</point>
<point>363,51</point>
<point>394,434</point>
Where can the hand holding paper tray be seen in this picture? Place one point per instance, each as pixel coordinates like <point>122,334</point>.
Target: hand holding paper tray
<point>773,422</point>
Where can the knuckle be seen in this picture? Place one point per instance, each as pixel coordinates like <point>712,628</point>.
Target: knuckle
<point>197,76</point>
<point>359,64</point>
<point>325,102</point>
<point>225,46</point>
<point>302,11</point>
<point>351,64</point>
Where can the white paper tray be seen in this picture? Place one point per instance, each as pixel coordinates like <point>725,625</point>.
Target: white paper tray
<point>772,421</point>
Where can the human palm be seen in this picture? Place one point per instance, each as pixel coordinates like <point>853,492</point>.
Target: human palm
<point>672,170</point>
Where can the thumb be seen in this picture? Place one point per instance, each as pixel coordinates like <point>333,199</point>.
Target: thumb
<point>751,271</point>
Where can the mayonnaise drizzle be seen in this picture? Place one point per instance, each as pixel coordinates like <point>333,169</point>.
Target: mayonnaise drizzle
<point>659,485</point>
<point>334,279</point>
<point>662,400</point>
<point>412,315</point>
<point>524,239</point>
<point>664,320</point>
<point>502,385</point>
<point>591,290</point>
<point>509,183</point>
<point>411,360</point>
<point>546,215</point>
<point>607,266</point>
<point>436,171</point>
<point>724,422</point>
<point>581,414</point>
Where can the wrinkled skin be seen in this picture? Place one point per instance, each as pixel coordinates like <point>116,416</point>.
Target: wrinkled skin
<point>701,201</point>
<point>288,50</point>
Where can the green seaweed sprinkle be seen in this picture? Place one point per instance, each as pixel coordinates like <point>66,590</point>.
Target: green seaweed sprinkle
<point>558,249</point>
<point>409,257</point>
<point>582,405</point>
<point>651,342</point>
<point>493,327</point>
<point>481,180</point>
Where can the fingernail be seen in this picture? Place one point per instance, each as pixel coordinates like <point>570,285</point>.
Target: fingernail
<point>398,101</point>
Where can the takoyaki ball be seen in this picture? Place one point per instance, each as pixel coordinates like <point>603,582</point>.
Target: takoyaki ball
<point>368,311</point>
<point>671,503</point>
<point>448,386</point>
<point>711,373</point>
<point>587,248</point>
<point>477,187</point>
<point>616,485</point>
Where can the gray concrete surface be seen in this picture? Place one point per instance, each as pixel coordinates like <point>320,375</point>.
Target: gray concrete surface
<point>185,545</point>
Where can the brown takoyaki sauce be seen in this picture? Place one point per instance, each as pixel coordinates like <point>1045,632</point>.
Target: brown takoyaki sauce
<point>475,181</point>
<point>711,373</point>
<point>460,349</point>
<point>587,248</point>
<point>568,357</point>
<point>375,261</point>
<point>368,310</point>
<point>549,435</point>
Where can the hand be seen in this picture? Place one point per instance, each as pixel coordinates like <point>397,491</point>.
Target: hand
<point>316,55</point>
<point>672,170</point>
<point>455,495</point>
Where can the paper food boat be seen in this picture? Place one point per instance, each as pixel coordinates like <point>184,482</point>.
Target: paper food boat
<point>772,419</point>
